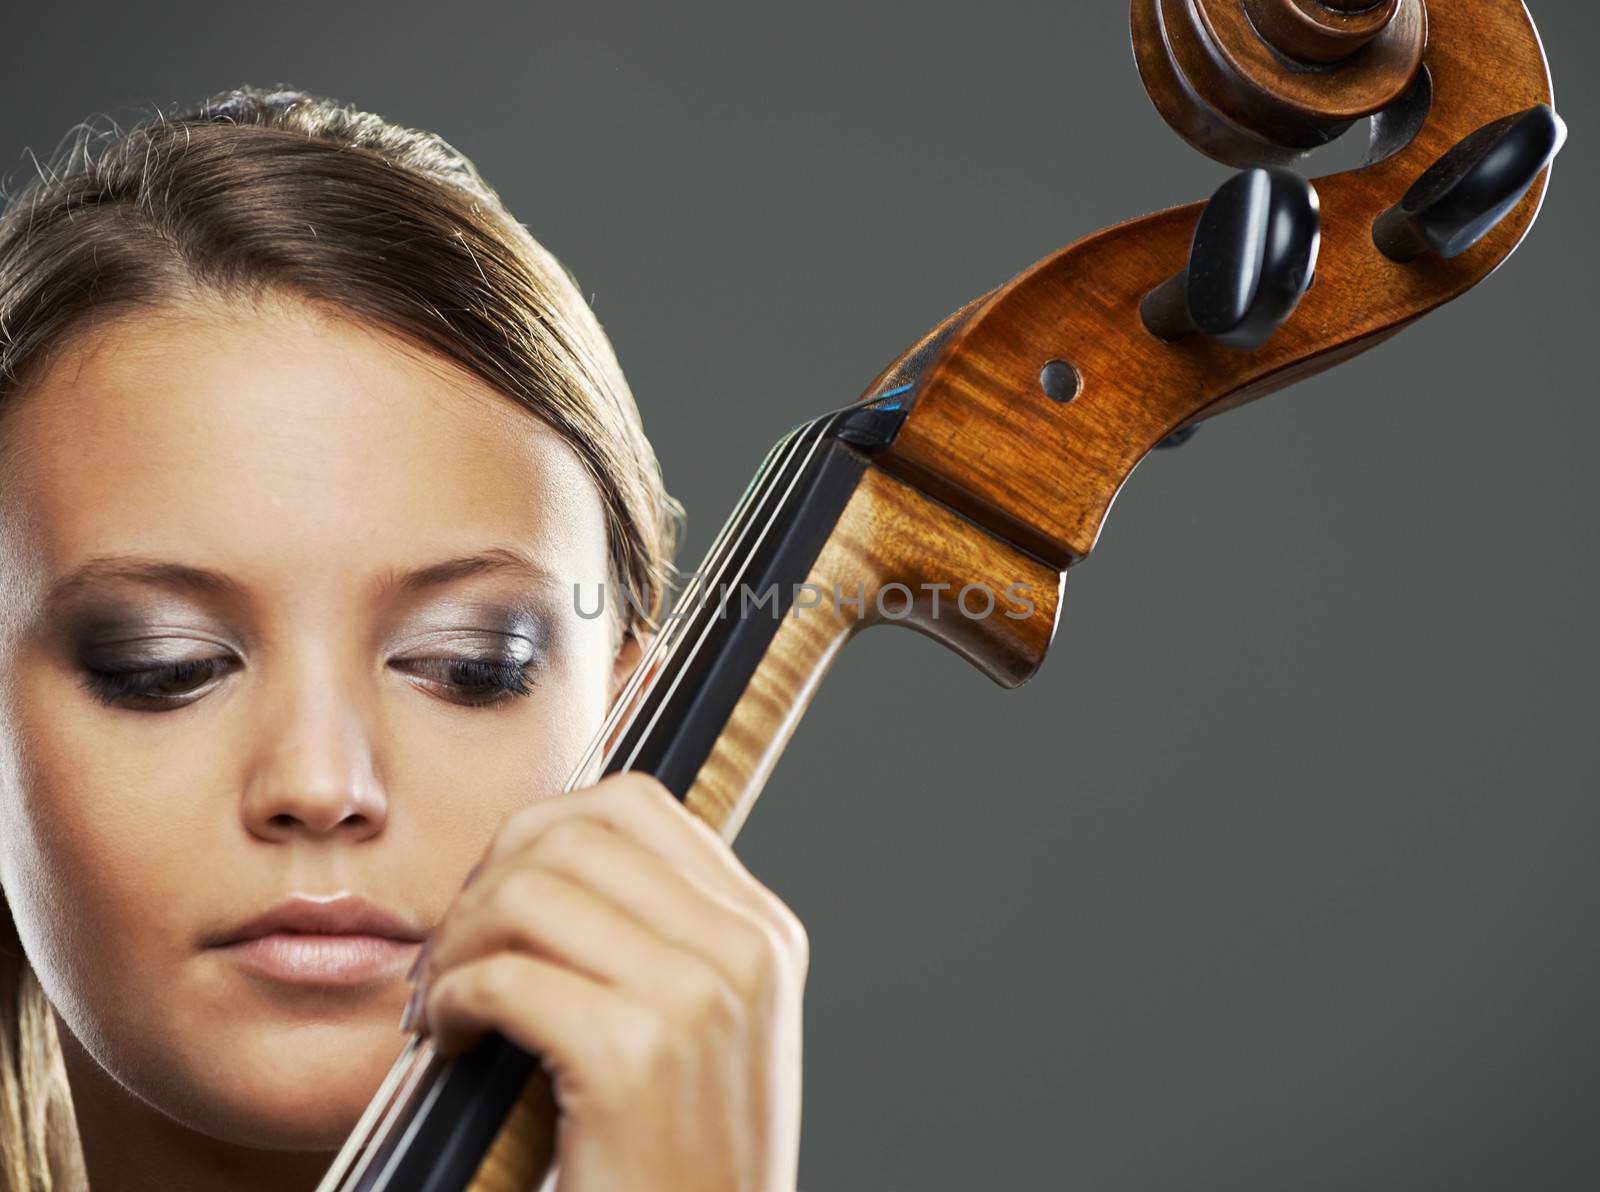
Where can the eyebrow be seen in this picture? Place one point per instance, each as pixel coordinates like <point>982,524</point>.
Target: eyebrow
<point>166,573</point>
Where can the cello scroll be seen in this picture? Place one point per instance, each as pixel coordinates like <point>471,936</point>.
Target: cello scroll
<point>1264,82</point>
<point>1042,474</point>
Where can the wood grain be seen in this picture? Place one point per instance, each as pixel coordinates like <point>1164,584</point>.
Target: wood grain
<point>1315,32</point>
<point>1043,475</point>
<point>888,534</point>
<point>1208,63</point>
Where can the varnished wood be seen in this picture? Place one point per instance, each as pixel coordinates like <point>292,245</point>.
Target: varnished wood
<point>1322,32</point>
<point>889,533</point>
<point>1220,78</point>
<point>982,436</point>
<point>991,482</point>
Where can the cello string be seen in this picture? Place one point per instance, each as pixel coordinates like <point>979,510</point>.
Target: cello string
<point>666,641</point>
<point>408,1067</point>
<point>381,1100</point>
<point>745,566</point>
<point>708,577</point>
<point>715,561</point>
<point>765,482</point>
<point>415,1124</point>
<point>712,567</point>
<point>642,672</point>
<point>397,1105</point>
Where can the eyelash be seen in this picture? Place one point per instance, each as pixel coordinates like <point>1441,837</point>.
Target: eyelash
<point>486,680</point>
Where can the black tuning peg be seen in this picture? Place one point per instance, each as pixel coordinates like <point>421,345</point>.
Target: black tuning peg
<point>1252,256</point>
<point>1460,197</point>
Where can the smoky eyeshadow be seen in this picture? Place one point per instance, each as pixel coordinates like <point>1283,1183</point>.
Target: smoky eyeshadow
<point>519,631</point>
<point>110,639</point>
<point>134,655</point>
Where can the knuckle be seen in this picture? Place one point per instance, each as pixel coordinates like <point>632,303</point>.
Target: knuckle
<point>520,828</point>
<point>636,784</point>
<point>657,790</point>
<point>705,999</point>
<point>789,933</point>
<point>463,991</point>
<point>524,897</point>
<point>511,895</point>
<point>495,986</point>
<point>489,992</point>
<point>796,939</point>
<point>506,980</point>
<point>565,840</point>
<point>756,958</point>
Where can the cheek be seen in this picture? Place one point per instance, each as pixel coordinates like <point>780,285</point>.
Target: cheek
<point>113,823</point>
<point>123,842</point>
<point>537,745</point>
<point>114,811</point>
<point>92,847</point>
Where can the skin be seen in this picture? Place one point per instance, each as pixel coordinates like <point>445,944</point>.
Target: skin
<point>329,747</point>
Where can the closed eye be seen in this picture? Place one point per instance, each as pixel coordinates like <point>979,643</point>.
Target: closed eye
<point>157,688</point>
<point>477,681</point>
<point>473,682</point>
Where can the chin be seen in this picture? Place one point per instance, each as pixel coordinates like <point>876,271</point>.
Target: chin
<point>299,1089</point>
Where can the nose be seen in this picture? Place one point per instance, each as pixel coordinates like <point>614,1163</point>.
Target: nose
<point>315,774</point>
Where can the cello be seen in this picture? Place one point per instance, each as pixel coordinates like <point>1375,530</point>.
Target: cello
<point>978,468</point>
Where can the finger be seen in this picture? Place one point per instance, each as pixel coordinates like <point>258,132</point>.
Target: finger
<point>585,895</point>
<point>544,913</point>
<point>642,809</point>
<point>584,1031</point>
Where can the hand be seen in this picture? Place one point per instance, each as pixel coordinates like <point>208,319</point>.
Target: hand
<point>613,933</point>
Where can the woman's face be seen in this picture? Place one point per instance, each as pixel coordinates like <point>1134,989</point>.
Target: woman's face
<point>235,672</point>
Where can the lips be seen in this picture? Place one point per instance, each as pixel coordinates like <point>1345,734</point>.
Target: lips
<point>341,940</point>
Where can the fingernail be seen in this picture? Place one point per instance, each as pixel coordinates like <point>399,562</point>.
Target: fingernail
<point>413,1008</point>
<point>422,959</point>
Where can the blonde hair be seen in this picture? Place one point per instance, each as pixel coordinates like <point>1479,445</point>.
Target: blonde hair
<point>39,1149</point>
<point>259,191</point>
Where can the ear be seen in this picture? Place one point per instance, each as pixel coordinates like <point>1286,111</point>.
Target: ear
<point>629,654</point>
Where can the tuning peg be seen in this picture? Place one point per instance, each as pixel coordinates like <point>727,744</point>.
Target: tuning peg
<point>1251,258</point>
<point>1460,197</point>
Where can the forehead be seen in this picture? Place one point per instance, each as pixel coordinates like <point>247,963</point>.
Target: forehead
<point>281,443</point>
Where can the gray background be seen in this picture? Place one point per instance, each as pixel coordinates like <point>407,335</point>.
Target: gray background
<point>1281,873</point>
